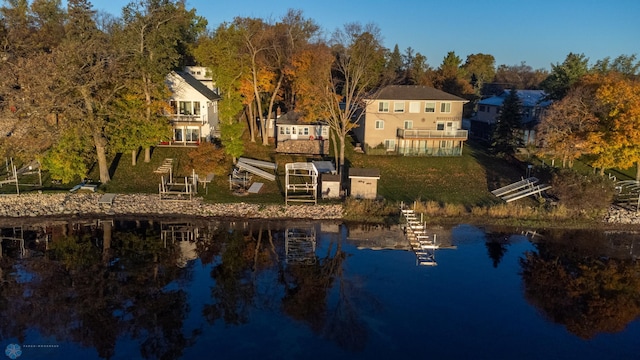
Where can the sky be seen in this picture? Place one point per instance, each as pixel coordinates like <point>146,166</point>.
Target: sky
<point>537,32</point>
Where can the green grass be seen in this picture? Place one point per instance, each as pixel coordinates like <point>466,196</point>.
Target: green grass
<point>465,180</point>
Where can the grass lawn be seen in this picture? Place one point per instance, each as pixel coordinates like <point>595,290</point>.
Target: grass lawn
<point>465,179</point>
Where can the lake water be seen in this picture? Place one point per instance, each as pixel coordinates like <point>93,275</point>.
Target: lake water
<point>128,289</point>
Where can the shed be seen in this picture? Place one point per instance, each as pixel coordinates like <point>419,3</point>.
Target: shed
<point>364,183</point>
<point>329,186</point>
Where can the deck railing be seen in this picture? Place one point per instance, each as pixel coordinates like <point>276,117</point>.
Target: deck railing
<point>178,118</point>
<point>432,134</point>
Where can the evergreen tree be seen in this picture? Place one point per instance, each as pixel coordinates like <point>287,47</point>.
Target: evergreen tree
<point>393,72</point>
<point>564,75</point>
<point>506,135</point>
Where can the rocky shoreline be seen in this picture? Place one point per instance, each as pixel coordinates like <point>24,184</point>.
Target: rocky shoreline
<point>621,215</point>
<point>87,204</point>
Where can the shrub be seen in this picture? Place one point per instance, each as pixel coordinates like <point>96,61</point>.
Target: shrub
<point>370,210</point>
<point>431,208</point>
<point>582,193</point>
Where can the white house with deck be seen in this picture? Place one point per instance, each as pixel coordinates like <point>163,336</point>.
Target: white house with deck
<point>194,104</point>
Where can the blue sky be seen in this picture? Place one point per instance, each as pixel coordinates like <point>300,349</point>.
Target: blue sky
<point>539,32</point>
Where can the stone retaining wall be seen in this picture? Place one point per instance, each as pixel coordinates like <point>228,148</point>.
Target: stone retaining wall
<point>86,204</point>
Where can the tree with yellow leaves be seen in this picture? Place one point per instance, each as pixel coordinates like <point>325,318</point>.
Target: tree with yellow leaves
<point>616,143</point>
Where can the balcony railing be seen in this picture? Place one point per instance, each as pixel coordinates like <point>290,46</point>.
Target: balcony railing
<point>192,119</point>
<point>432,134</point>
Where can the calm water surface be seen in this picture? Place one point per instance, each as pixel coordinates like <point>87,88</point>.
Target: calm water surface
<point>128,289</point>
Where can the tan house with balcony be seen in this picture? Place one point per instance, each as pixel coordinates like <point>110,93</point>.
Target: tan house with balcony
<point>194,104</point>
<point>412,120</point>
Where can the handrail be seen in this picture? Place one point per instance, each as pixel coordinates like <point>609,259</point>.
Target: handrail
<point>432,134</point>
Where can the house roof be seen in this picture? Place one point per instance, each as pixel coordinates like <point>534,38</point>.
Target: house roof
<point>294,118</point>
<point>415,92</point>
<point>364,172</point>
<point>198,86</point>
<point>528,98</point>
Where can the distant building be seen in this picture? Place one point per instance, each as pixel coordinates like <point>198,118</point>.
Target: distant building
<point>533,105</point>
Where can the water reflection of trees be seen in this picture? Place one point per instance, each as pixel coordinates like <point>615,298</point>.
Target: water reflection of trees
<point>102,281</point>
<point>92,289</point>
<point>247,259</point>
<point>497,246</point>
<point>308,290</point>
<point>573,280</point>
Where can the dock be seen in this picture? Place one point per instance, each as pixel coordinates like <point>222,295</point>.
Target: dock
<point>421,243</point>
<point>520,189</point>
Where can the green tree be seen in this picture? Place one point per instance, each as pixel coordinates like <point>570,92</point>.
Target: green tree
<point>154,37</point>
<point>417,71</point>
<point>627,65</point>
<point>451,76</point>
<point>480,69</point>
<point>89,72</point>
<point>564,75</point>
<point>394,69</point>
<point>223,54</point>
<point>67,160</point>
<point>507,133</point>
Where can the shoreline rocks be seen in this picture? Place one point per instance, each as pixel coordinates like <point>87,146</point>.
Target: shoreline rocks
<point>87,204</point>
<point>621,215</point>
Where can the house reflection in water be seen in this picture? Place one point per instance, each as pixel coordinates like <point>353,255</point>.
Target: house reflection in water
<point>379,237</point>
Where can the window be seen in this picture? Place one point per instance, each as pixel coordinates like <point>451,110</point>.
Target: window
<point>177,135</point>
<point>192,134</point>
<point>398,106</point>
<point>325,131</point>
<point>440,126</point>
<point>379,124</point>
<point>414,107</point>
<point>174,106</point>
<point>430,107</point>
<point>281,130</point>
<point>390,144</point>
<point>293,130</point>
<point>196,108</point>
<point>287,130</point>
<point>445,144</point>
<point>445,107</point>
<point>214,107</point>
<point>185,108</point>
<point>305,131</point>
<point>383,106</point>
<point>481,108</point>
<point>408,124</point>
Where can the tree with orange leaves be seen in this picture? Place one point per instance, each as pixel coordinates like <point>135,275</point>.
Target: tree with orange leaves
<point>565,126</point>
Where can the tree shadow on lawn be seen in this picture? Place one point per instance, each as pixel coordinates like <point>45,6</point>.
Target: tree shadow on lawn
<point>114,165</point>
<point>499,172</point>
